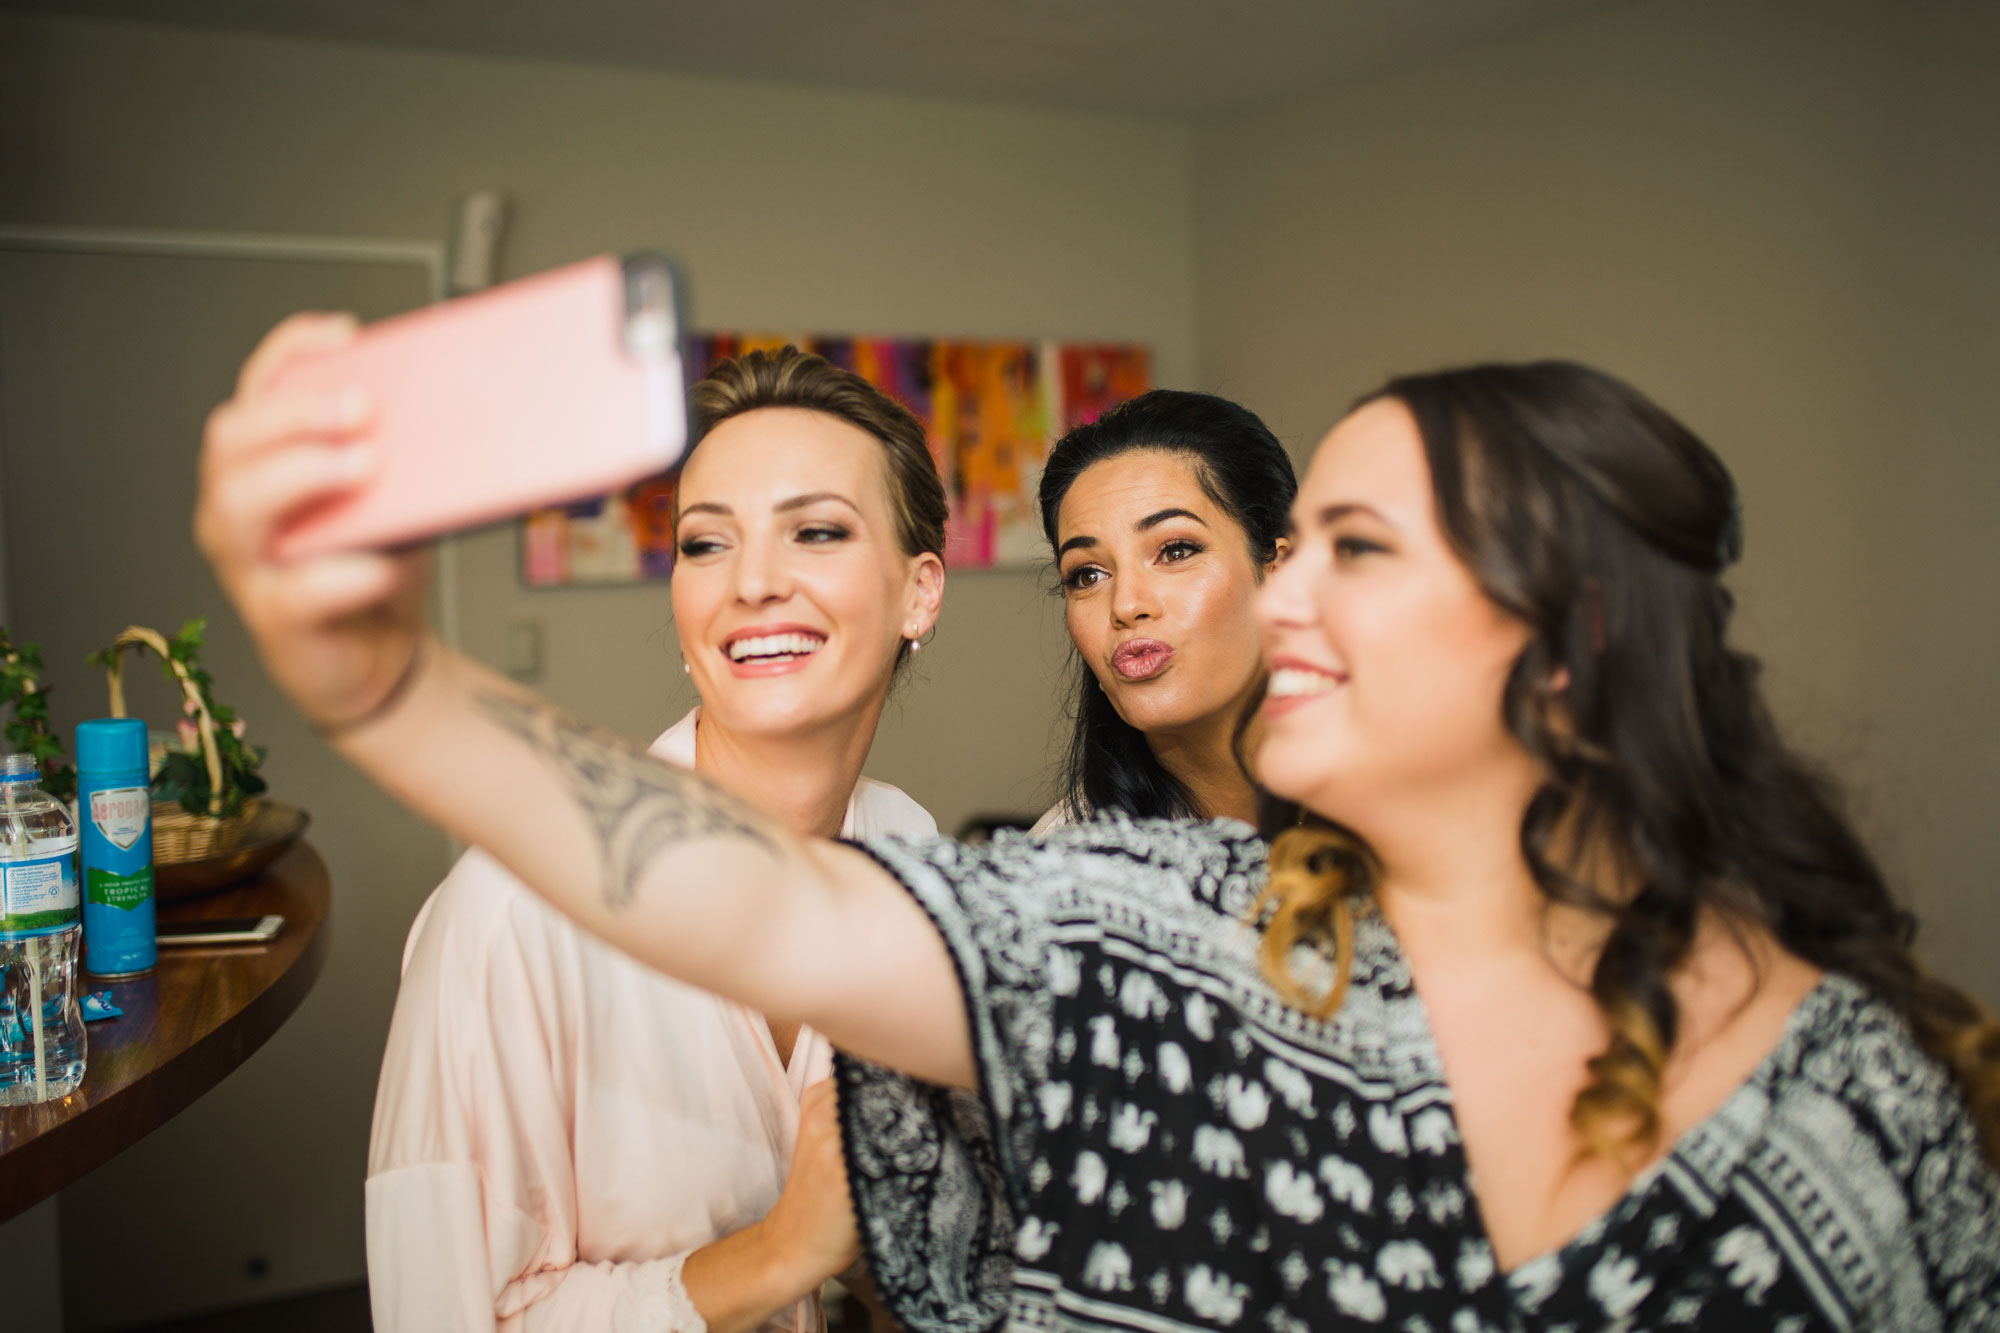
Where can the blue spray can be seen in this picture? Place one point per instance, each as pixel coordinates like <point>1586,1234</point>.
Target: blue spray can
<point>114,804</point>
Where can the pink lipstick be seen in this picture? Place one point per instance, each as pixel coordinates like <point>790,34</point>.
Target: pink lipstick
<point>771,650</point>
<point>1141,659</point>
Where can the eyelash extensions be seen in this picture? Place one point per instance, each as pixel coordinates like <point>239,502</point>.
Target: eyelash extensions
<point>814,534</point>
<point>1071,583</point>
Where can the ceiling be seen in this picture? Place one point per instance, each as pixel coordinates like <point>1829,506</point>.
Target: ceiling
<point>1158,57</point>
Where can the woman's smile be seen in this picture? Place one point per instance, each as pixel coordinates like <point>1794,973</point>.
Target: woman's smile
<point>1295,683</point>
<point>771,650</point>
<point>790,568</point>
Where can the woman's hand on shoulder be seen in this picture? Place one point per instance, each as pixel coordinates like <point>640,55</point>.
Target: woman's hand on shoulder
<point>336,632</point>
<point>812,1224</point>
<point>744,1280</point>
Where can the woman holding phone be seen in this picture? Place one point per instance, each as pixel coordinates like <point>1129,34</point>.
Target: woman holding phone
<point>1164,515</point>
<point>1581,1005</point>
<point>566,1139</point>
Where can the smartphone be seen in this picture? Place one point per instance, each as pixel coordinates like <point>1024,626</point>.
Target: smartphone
<point>544,391</point>
<point>220,930</point>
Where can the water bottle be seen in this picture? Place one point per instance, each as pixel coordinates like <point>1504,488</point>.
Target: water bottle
<point>41,1028</point>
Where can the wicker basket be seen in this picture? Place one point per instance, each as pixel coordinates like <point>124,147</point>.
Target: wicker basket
<point>197,853</point>
<point>200,853</point>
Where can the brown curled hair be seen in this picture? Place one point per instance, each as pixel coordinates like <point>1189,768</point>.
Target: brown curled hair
<point>791,378</point>
<point>1605,525</point>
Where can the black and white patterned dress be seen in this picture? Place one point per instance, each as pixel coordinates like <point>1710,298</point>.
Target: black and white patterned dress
<point>1174,1147</point>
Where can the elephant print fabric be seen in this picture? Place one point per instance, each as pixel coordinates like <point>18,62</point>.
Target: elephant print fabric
<point>1161,1143</point>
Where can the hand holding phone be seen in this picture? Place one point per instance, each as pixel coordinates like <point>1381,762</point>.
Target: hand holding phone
<point>337,444</point>
<point>554,388</point>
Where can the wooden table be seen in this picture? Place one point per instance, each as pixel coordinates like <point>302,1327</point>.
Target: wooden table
<point>185,1028</point>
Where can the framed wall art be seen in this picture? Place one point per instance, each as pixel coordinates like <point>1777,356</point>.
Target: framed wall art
<point>990,409</point>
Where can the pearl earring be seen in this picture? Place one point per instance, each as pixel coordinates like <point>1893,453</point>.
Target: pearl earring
<point>915,646</point>
<point>685,667</point>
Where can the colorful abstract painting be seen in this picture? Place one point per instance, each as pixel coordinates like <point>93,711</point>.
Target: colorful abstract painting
<point>991,411</point>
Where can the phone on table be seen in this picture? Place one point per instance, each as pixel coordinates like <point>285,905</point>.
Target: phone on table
<point>220,930</point>
<point>544,391</point>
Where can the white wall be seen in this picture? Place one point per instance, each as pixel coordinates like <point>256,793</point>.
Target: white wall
<point>792,209</point>
<point>1776,216</point>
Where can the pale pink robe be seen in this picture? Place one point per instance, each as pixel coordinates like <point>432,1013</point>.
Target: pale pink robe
<point>558,1127</point>
<point>1056,816</point>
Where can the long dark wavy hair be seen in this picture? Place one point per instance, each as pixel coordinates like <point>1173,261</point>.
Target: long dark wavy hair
<point>1246,472</point>
<point>1605,525</point>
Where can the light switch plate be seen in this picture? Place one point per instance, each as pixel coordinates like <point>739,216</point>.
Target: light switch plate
<point>524,651</point>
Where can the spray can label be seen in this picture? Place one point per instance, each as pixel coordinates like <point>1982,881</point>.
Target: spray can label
<point>117,877</point>
<point>37,896</point>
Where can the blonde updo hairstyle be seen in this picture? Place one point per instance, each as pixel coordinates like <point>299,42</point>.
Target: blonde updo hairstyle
<point>803,380</point>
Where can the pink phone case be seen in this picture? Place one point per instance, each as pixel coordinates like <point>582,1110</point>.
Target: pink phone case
<point>544,391</point>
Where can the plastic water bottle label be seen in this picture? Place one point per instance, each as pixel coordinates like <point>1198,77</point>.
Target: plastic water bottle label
<point>37,895</point>
<point>120,814</point>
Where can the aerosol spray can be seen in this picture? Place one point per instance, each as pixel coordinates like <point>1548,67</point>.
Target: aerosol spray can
<point>114,804</point>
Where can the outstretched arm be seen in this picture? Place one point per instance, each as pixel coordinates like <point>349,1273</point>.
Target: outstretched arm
<point>655,860</point>
<point>670,868</point>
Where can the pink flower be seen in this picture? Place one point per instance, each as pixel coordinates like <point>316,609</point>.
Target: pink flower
<point>236,728</point>
<point>190,734</point>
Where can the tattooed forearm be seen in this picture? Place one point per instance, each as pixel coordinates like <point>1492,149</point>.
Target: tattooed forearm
<point>638,805</point>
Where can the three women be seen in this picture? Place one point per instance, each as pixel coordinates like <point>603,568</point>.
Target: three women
<point>1581,1005</point>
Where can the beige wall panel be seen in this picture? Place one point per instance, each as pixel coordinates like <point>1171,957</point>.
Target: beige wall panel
<point>1778,218</point>
<point>792,209</point>
<point>107,367</point>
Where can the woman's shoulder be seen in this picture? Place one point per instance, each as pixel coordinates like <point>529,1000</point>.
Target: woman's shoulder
<point>476,896</point>
<point>1107,863</point>
<point>482,923</point>
<point>1864,1124</point>
<point>879,810</point>
<point>1062,814</point>
<point>1106,840</point>
<point>1194,846</point>
<point>1849,1047</point>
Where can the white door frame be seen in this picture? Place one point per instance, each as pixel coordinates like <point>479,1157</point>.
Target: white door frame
<point>427,255</point>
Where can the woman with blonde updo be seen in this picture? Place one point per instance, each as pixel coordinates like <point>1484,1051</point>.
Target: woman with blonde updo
<point>566,1139</point>
<point>1580,1006</point>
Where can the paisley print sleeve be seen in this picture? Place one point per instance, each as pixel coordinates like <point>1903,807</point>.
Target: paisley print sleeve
<point>938,1177</point>
<point>927,1165</point>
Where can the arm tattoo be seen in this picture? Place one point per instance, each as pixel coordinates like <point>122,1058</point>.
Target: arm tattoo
<point>638,805</point>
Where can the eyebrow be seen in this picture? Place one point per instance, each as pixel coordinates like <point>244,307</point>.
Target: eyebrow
<point>813,498</point>
<point>783,506</point>
<point>1335,512</point>
<point>1152,520</point>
